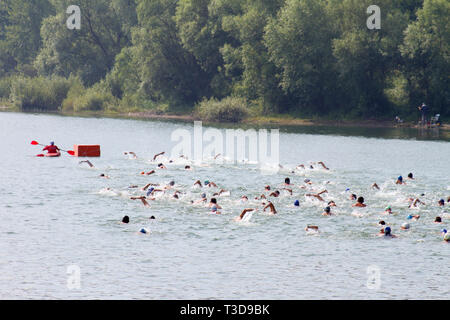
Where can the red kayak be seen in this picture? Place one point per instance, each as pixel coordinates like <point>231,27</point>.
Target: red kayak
<point>55,154</point>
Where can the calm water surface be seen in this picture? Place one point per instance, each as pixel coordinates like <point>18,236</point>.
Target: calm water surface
<point>56,213</point>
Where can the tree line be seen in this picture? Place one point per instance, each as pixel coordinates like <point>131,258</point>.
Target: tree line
<point>314,58</point>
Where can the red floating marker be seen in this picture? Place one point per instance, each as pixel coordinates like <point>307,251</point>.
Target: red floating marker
<point>86,150</point>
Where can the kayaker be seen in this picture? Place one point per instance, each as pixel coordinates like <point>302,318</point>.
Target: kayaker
<point>51,148</point>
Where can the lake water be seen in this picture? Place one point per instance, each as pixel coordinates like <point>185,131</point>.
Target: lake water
<point>57,213</point>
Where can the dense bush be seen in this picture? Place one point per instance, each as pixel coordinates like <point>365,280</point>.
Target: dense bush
<point>44,94</point>
<point>93,100</point>
<point>76,90</point>
<point>231,109</point>
<point>5,88</point>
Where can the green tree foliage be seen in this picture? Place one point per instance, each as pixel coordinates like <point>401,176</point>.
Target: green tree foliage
<point>169,72</point>
<point>426,49</point>
<point>366,57</point>
<point>89,52</point>
<point>302,57</point>
<point>20,41</point>
<point>299,42</point>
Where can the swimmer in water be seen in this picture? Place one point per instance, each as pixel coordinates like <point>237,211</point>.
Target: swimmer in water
<point>152,191</point>
<point>413,217</point>
<point>359,203</point>
<point>382,223</point>
<point>441,203</point>
<point>143,199</point>
<point>272,208</point>
<point>88,162</point>
<point>267,188</point>
<point>410,176</point>
<point>327,212</point>
<point>297,203</point>
<point>169,185</point>
<point>323,165</point>
<point>415,202</point>
<point>388,210</point>
<point>244,198</point>
<point>210,184</point>
<point>102,175</point>
<point>126,219</point>
<point>241,216</point>
<point>400,180</point>
<point>131,153</point>
<point>148,185</point>
<point>263,196</point>
<point>287,182</point>
<point>312,228</point>
<point>220,192</point>
<point>438,220</point>
<point>332,204</point>
<point>148,173</point>
<point>308,181</point>
<point>275,194</point>
<point>203,199</point>
<point>353,196</point>
<point>161,166</point>
<point>317,195</point>
<point>375,186</point>
<point>405,226</point>
<point>446,235</point>
<point>386,232</point>
<point>288,190</point>
<point>157,155</point>
<point>214,209</point>
<point>187,168</point>
<point>176,193</point>
<point>198,183</point>
<point>213,203</point>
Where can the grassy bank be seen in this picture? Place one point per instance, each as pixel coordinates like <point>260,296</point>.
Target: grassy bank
<point>281,120</point>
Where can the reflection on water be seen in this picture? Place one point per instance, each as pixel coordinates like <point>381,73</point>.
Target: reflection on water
<point>419,133</point>
<point>416,133</point>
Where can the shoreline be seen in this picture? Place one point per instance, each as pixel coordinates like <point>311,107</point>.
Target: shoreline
<point>259,121</point>
<point>288,121</point>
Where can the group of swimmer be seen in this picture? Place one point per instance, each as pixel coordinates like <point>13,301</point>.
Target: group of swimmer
<point>267,196</point>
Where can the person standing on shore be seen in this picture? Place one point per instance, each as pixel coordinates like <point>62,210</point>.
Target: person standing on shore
<point>423,109</point>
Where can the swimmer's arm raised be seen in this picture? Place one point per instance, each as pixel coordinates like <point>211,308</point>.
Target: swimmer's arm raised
<point>244,212</point>
<point>157,155</point>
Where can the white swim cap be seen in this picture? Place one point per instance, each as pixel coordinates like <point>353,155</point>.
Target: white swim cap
<point>405,225</point>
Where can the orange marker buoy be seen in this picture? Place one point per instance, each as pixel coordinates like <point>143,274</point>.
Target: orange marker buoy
<point>86,150</point>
